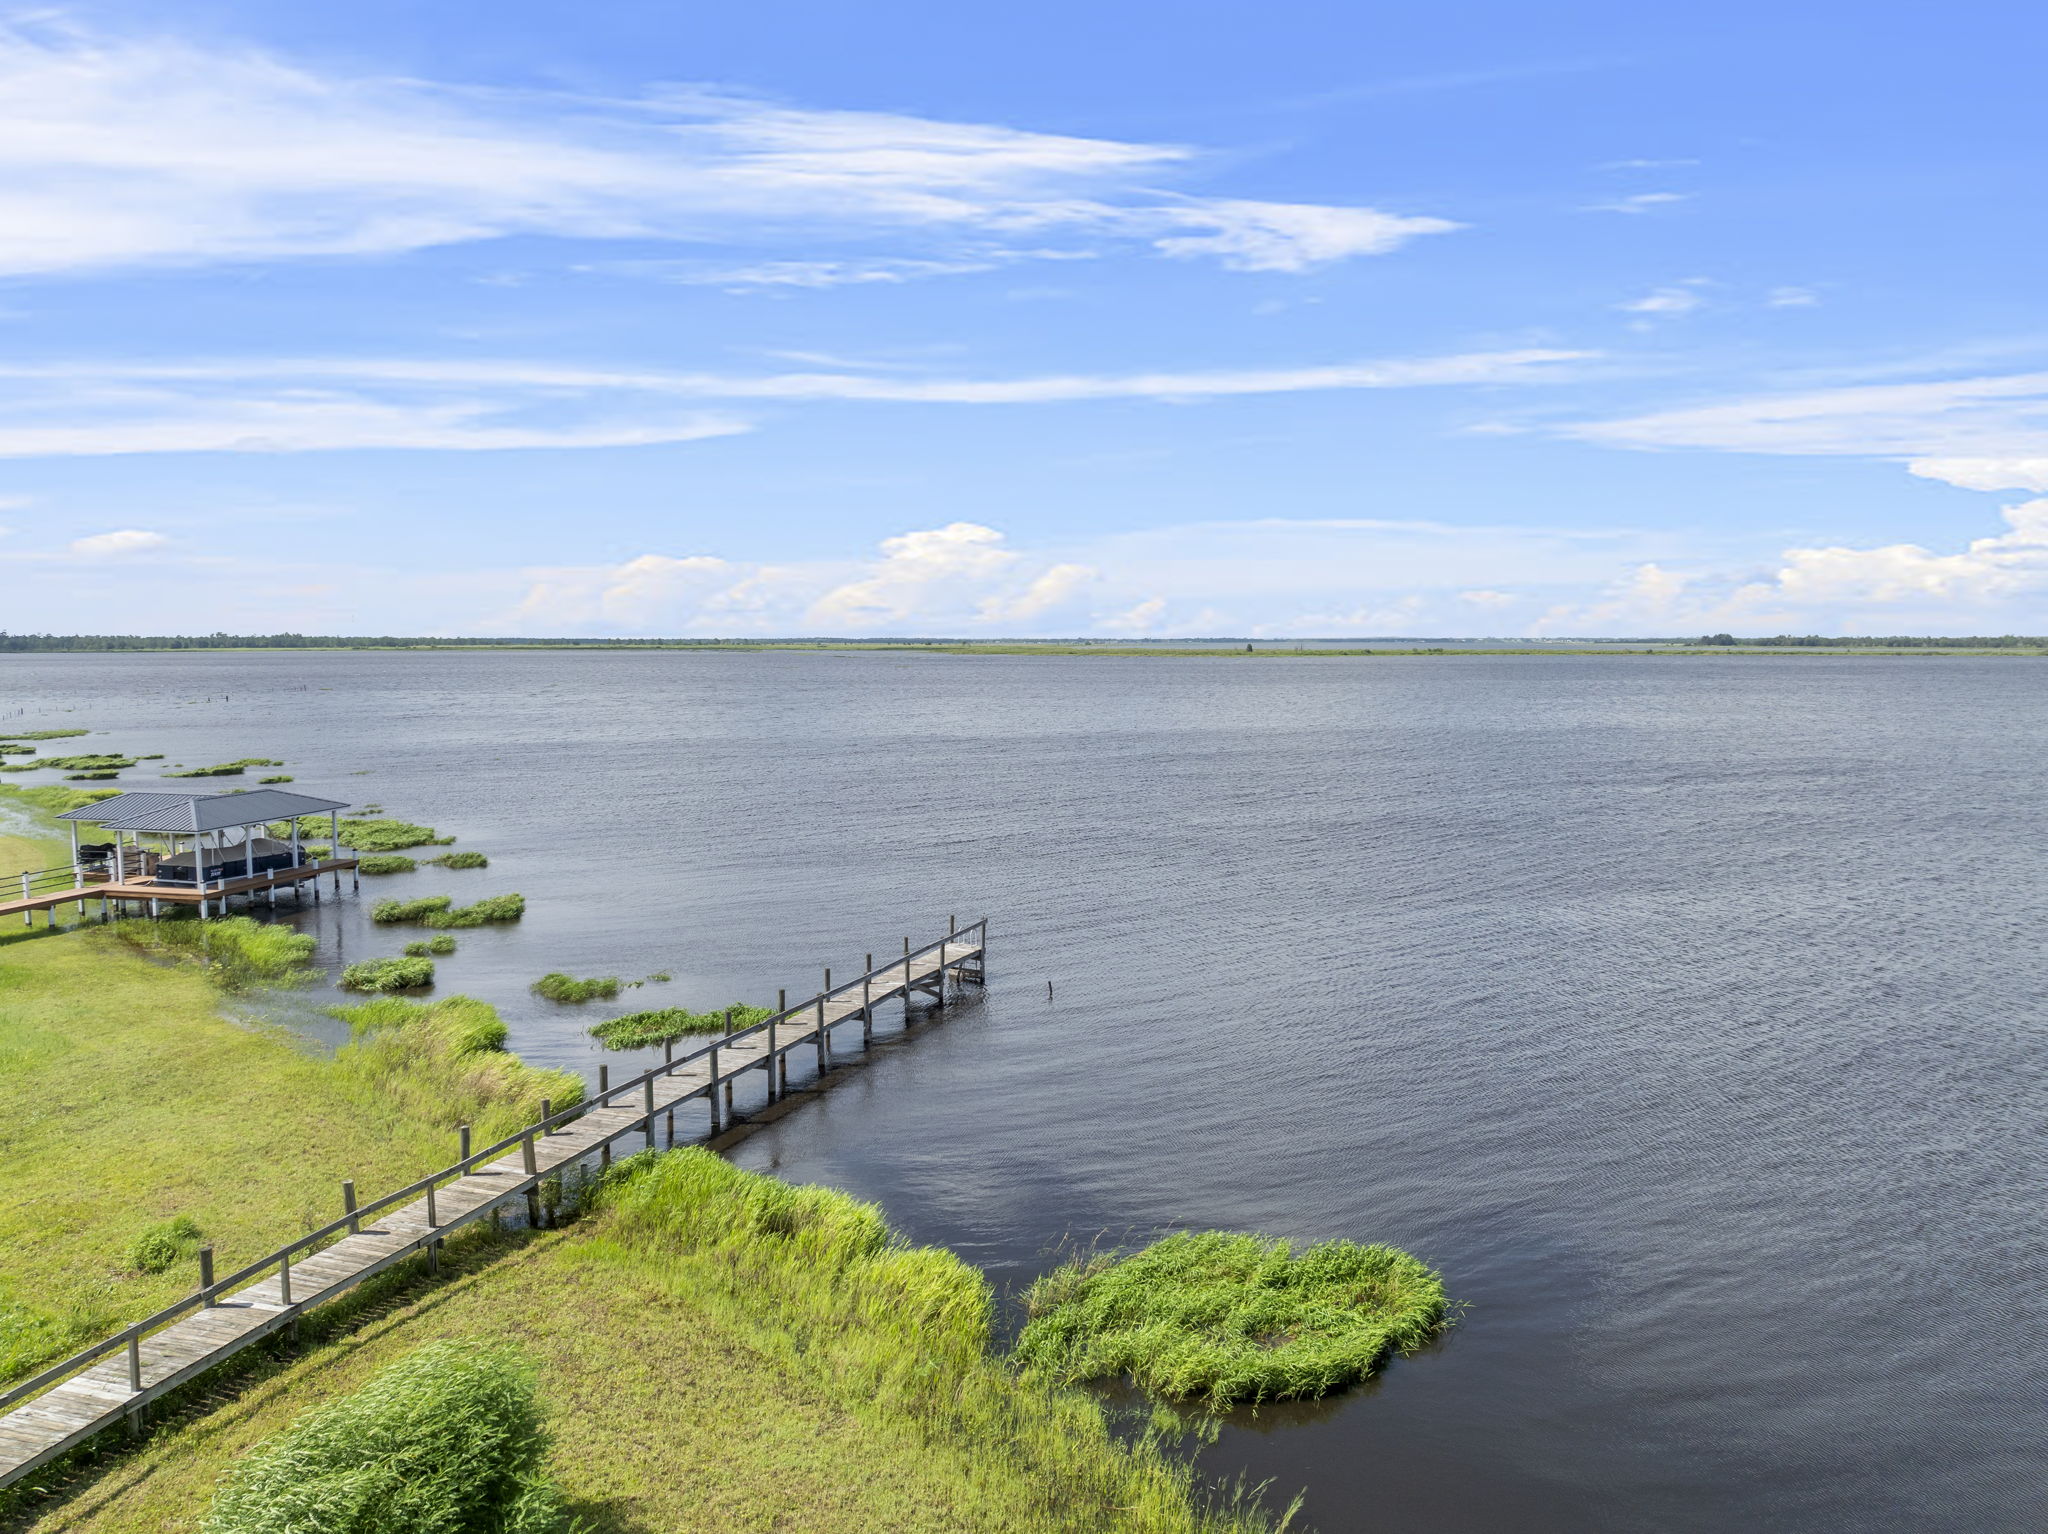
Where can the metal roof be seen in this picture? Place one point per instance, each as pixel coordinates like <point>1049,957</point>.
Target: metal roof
<point>212,812</point>
<point>125,804</point>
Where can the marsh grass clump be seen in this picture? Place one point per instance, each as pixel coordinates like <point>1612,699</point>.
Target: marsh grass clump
<point>239,951</point>
<point>164,1246</point>
<point>277,777</point>
<point>232,769</point>
<point>637,1030</point>
<point>556,986</point>
<point>386,863</point>
<point>14,735</point>
<point>461,860</point>
<point>90,777</point>
<point>1224,1317</point>
<point>493,908</point>
<point>55,798</point>
<point>394,974</point>
<point>387,911</point>
<point>440,945</point>
<point>101,762</point>
<point>445,1062</point>
<point>385,835</point>
<point>450,1439</point>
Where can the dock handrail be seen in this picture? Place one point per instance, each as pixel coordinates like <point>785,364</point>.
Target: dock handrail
<point>209,1293</point>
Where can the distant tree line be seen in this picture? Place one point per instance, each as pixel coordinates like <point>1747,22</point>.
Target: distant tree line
<point>1889,641</point>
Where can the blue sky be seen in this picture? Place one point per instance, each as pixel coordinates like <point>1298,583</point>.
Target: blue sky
<point>1276,319</point>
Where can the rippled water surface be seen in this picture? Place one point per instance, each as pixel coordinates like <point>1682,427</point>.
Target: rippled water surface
<point>1686,1012</point>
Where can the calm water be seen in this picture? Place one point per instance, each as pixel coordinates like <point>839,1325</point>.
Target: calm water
<point>1686,1013</point>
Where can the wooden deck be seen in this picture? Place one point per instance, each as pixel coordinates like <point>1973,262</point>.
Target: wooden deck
<point>113,1381</point>
<point>171,894</point>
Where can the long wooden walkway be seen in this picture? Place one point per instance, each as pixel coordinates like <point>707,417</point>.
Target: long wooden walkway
<point>113,1381</point>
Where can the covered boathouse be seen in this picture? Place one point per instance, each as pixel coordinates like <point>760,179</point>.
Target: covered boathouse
<point>200,849</point>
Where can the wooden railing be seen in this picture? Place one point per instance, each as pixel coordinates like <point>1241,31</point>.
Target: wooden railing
<point>211,1289</point>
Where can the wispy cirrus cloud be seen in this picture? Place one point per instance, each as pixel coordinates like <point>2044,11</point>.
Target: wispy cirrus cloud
<point>124,151</point>
<point>315,404</point>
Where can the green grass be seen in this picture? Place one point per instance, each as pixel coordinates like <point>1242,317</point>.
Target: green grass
<point>164,1245</point>
<point>716,1351</point>
<point>90,777</point>
<point>365,833</point>
<point>637,1030</point>
<point>238,951</point>
<point>461,860</point>
<point>439,945</point>
<point>1225,1317</point>
<point>397,974</point>
<point>493,908</point>
<point>130,1101</point>
<point>277,777</point>
<point>448,1439</point>
<point>556,986</point>
<point>388,911</point>
<point>232,769</point>
<point>103,762</point>
<point>387,863</point>
<point>42,734</point>
<point>55,799</point>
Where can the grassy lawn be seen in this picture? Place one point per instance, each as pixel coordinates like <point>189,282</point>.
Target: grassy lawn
<point>716,1352</point>
<point>131,1100</point>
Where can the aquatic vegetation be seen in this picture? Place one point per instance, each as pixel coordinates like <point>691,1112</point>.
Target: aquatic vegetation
<point>238,951</point>
<point>461,860</point>
<point>163,1246</point>
<point>386,863</point>
<point>89,777</point>
<point>1225,1317</point>
<point>637,1030</point>
<point>277,777</point>
<point>450,1439</point>
<point>42,734</point>
<point>388,835</point>
<point>493,908</point>
<point>556,986</point>
<point>55,798</point>
<point>445,1062</point>
<point>439,945</point>
<point>232,769</point>
<point>397,974</point>
<point>9,748</point>
<point>409,910</point>
<point>98,763</point>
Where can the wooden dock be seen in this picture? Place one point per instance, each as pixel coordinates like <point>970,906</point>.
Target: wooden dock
<point>152,894</point>
<point>114,1380</point>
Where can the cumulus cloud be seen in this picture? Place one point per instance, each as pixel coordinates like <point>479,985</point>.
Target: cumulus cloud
<point>1674,299</point>
<point>129,540</point>
<point>124,150</point>
<point>1054,588</point>
<point>895,587</point>
<point>1985,473</point>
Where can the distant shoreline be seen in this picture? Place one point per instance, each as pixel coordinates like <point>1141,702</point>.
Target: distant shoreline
<point>1211,650</point>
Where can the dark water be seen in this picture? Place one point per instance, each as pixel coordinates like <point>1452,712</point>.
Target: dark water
<point>1686,1013</point>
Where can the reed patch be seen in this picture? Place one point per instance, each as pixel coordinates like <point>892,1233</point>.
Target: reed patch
<point>638,1030</point>
<point>1224,1317</point>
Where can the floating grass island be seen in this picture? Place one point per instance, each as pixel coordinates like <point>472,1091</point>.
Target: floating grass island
<point>387,863</point>
<point>1223,1317</point>
<point>102,762</point>
<point>461,860</point>
<point>440,945</point>
<point>396,974</point>
<point>225,769</point>
<point>556,986</point>
<point>638,1030</point>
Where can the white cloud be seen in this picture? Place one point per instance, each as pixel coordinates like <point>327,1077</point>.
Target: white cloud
<point>1792,298</point>
<point>1639,202</point>
<point>793,274</point>
<point>131,540</point>
<point>301,405</point>
<point>1140,618</point>
<point>1673,299</point>
<point>1647,164</point>
<point>1054,588</point>
<point>2002,417</point>
<point>1490,601</point>
<point>116,151</point>
<point>1985,473</point>
<point>1290,237</point>
<point>1989,569</point>
<point>895,588</point>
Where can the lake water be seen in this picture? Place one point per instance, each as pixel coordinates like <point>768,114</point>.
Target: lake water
<point>1686,1012</point>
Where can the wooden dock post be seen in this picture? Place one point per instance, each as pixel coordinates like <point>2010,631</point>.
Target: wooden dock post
<point>710,1094</point>
<point>824,1042</point>
<point>867,1005</point>
<point>647,1101</point>
<point>728,1079</point>
<point>462,1142</point>
<point>781,1006</point>
<point>532,1190</point>
<point>604,1092</point>
<point>348,1207</point>
<point>206,1274</point>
